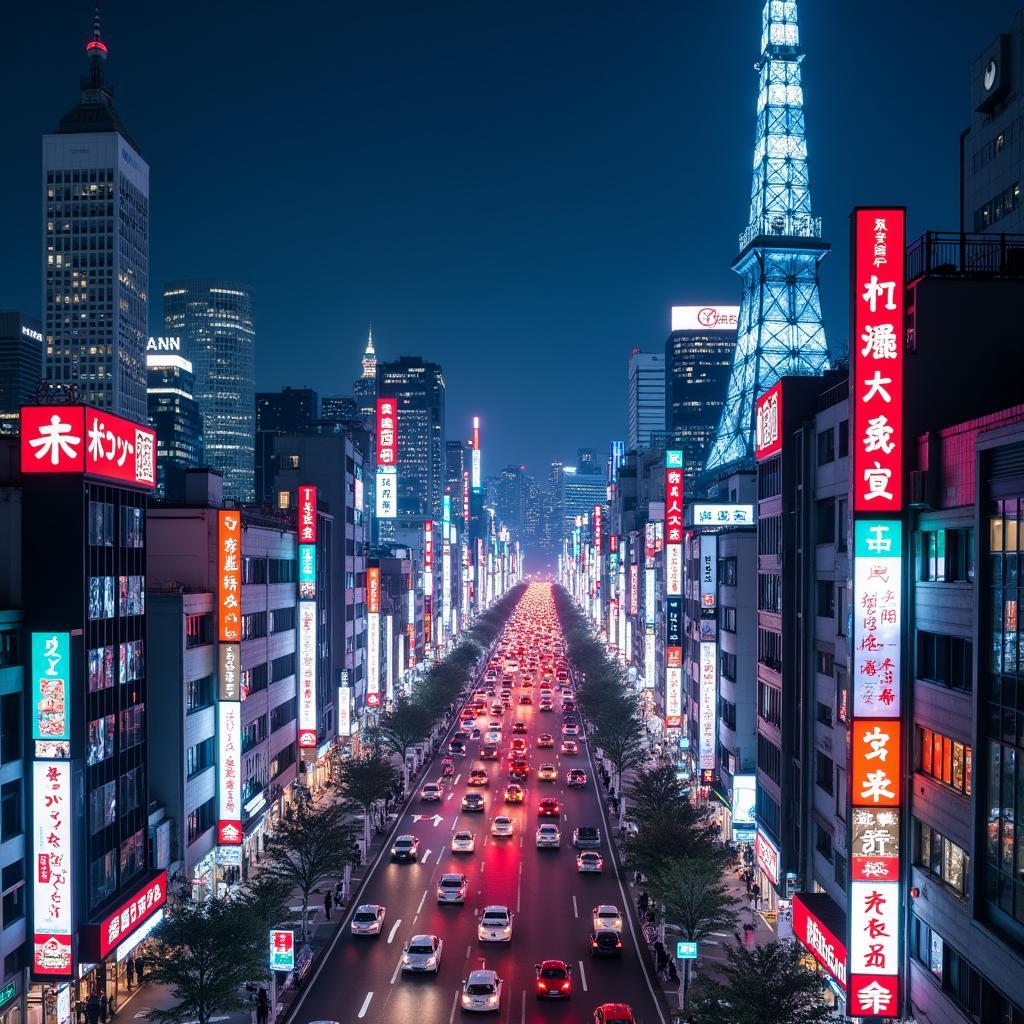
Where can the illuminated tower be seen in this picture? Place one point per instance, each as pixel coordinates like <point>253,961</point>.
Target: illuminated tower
<point>365,388</point>
<point>780,330</point>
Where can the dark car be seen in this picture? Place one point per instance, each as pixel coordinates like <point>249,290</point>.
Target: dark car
<point>605,942</point>
<point>586,837</point>
<point>406,848</point>
<point>473,802</point>
<point>457,748</point>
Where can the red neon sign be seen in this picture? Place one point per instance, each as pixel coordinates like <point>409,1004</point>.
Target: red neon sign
<point>99,939</point>
<point>387,432</point>
<point>307,515</point>
<point>229,575</point>
<point>768,423</point>
<point>373,590</point>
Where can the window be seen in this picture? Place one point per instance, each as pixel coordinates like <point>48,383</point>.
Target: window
<point>727,572</point>
<point>843,526</point>
<point>281,570</point>
<point>254,625</point>
<point>101,524</point>
<point>826,447</point>
<point>133,855</point>
<point>12,883</point>
<point>102,807</point>
<point>945,660</point>
<point>199,757</point>
<point>101,597</point>
<point>945,760</point>
<point>823,841</point>
<point>282,714</point>
<point>133,790</point>
<point>825,521</point>
<point>132,665</point>
<point>769,478</point>
<point>769,649</point>
<point>823,713</point>
<point>941,858</point>
<point>769,758</point>
<point>824,662</point>
<point>200,821</point>
<point>131,592</point>
<point>101,668</point>
<point>198,630</point>
<point>769,704</point>
<point>728,665</point>
<point>946,555</point>
<point>282,619</point>
<point>199,694</point>
<point>727,617</point>
<point>767,810</point>
<point>255,732</point>
<point>769,535</point>
<point>10,810</point>
<point>284,500</point>
<point>254,679</point>
<point>10,651</point>
<point>769,592</point>
<point>132,527</point>
<point>281,668</point>
<point>844,438</point>
<point>727,710</point>
<point>132,726</point>
<point>254,570</point>
<point>823,773</point>
<point>824,598</point>
<point>10,727</point>
<point>101,739</point>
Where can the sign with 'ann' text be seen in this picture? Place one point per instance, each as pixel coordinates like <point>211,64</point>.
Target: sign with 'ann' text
<point>768,423</point>
<point>229,574</point>
<point>51,874</point>
<point>229,764</point>
<point>80,439</point>
<point>307,514</point>
<point>51,686</point>
<point>307,675</point>
<point>877,348</point>
<point>387,458</point>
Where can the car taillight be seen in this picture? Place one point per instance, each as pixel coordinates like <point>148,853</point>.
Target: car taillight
<point>618,943</point>
<point>542,985</point>
<point>565,986</point>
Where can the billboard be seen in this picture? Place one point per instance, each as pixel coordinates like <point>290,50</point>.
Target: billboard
<point>708,705</point>
<point>708,571</point>
<point>83,440</point>
<point>229,762</point>
<point>373,589</point>
<point>345,708</point>
<point>307,514</point>
<point>101,938</point>
<point>768,423</point>
<point>876,348</point>
<point>229,672</point>
<point>819,939</point>
<point>387,433</point>
<point>597,531</point>
<point>766,853</point>
<point>307,675</point>
<point>307,571</point>
<point>706,514</point>
<point>373,659</point>
<point>673,697</point>
<point>673,523</point>
<point>387,494</point>
<point>51,686</point>
<point>51,868</point>
<point>744,796</point>
<point>705,318</point>
<point>229,575</point>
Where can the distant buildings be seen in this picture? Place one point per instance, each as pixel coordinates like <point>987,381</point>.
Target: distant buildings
<point>214,319</point>
<point>288,411</point>
<point>364,390</point>
<point>339,407</point>
<point>174,414</point>
<point>21,365</point>
<point>645,401</point>
<point>96,250</point>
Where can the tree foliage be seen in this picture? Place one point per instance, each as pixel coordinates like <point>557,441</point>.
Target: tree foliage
<point>767,984</point>
<point>695,896</point>
<point>364,781</point>
<point>407,723</point>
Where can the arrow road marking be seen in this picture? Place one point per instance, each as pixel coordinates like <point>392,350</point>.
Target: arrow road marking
<point>437,820</point>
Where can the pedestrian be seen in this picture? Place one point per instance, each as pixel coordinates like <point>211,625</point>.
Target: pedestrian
<point>660,957</point>
<point>262,1006</point>
<point>749,882</point>
<point>104,1007</point>
<point>327,905</point>
<point>92,1008</point>
<point>80,1011</point>
<point>642,902</point>
<point>748,934</point>
<point>337,893</point>
<point>755,893</point>
<point>129,970</point>
<point>140,969</point>
<point>673,974</point>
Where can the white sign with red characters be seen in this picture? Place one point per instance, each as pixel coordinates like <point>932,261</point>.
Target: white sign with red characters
<point>229,763</point>
<point>877,617</point>
<point>51,879</point>
<point>874,939</point>
<point>307,515</point>
<point>597,533</point>
<point>877,349</point>
<point>80,439</point>
<point>708,704</point>
<point>307,675</point>
<point>767,855</point>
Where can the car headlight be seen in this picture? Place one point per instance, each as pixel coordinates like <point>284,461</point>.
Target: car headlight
<point>492,1000</point>
<point>506,931</point>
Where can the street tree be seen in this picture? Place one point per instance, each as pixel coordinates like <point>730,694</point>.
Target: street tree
<point>304,851</point>
<point>364,781</point>
<point>655,790</point>
<point>406,724</point>
<point>620,735</point>
<point>204,954</point>
<point>695,899</point>
<point>675,830</point>
<point>767,984</point>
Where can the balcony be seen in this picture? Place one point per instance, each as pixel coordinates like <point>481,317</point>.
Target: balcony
<point>782,225</point>
<point>950,254</point>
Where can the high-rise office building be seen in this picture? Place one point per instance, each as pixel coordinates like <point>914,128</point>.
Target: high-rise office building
<point>418,389</point>
<point>174,415</point>
<point>588,460</point>
<point>578,494</point>
<point>214,319</point>
<point>645,400</point>
<point>698,356</point>
<point>364,390</point>
<point>21,365</point>
<point>96,250</point>
<point>339,407</point>
<point>510,495</point>
<point>454,465</point>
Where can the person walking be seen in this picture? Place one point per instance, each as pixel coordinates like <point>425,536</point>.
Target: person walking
<point>755,895</point>
<point>262,1006</point>
<point>140,969</point>
<point>129,970</point>
<point>327,905</point>
<point>92,1008</point>
<point>104,1007</point>
<point>660,958</point>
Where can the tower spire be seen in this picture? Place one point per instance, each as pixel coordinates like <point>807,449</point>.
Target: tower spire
<point>781,331</point>
<point>370,355</point>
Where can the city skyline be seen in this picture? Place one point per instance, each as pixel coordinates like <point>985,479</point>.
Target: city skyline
<point>586,299</point>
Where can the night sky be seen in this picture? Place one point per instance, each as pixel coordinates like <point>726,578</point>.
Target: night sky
<point>519,191</point>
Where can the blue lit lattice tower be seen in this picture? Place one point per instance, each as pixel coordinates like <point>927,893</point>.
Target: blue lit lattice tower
<point>781,332</point>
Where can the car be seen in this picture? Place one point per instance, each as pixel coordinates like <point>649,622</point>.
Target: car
<point>586,837</point>
<point>368,919</point>
<point>614,1013</point>
<point>570,747</point>
<point>495,924</point>
<point>518,745</point>
<point>473,802</point>
<point>501,826</point>
<point>481,992</point>
<point>475,733</point>
<point>518,769</point>
<point>545,739</point>
<point>589,861</point>
<point>492,736</point>
<point>547,773</point>
<point>576,777</point>
<point>457,748</point>
<point>494,725</point>
<point>489,752</point>
<point>506,694</point>
<point>518,728</point>
<point>554,979</point>
<point>568,704</point>
<point>422,954</point>
<point>496,708</point>
<point>549,808</point>
<point>607,916</point>
<point>463,842</point>
<point>430,792</point>
<point>513,793</point>
<point>447,767</point>
<point>548,837</point>
<point>451,888</point>
<point>461,735</point>
<point>527,683</point>
<point>605,942</point>
<point>525,698</point>
<point>405,848</point>
<point>570,729</point>
<point>477,777</point>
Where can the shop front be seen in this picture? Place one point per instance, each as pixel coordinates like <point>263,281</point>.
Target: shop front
<point>10,1003</point>
<point>203,879</point>
<point>766,862</point>
<point>817,924</point>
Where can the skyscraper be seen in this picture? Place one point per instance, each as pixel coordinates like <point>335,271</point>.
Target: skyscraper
<point>174,415</point>
<point>645,400</point>
<point>419,392</point>
<point>364,390</point>
<point>96,250</point>
<point>698,355</point>
<point>454,467</point>
<point>21,365</point>
<point>214,319</point>
<point>288,411</point>
<point>781,331</point>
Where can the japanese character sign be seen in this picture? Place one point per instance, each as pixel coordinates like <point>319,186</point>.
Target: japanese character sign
<point>387,432</point>
<point>877,617</point>
<point>307,675</point>
<point>307,514</point>
<point>768,423</point>
<point>876,763</point>
<point>229,574</point>
<point>51,666</point>
<point>52,862</point>
<point>229,786</point>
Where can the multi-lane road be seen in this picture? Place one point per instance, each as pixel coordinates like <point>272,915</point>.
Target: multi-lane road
<point>360,978</point>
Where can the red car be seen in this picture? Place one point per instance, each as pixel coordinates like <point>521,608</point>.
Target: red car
<point>518,745</point>
<point>614,1013</point>
<point>554,979</point>
<point>549,808</point>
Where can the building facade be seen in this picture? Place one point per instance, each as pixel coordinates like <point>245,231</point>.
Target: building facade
<point>21,365</point>
<point>174,415</point>
<point>645,400</point>
<point>214,319</point>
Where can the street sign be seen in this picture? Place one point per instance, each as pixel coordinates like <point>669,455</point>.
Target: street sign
<point>282,950</point>
<point>686,950</point>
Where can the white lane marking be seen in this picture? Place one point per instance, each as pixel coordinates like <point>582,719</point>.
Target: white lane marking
<point>457,777</point>
<point>423,900</point>
<point>519,888</point>
<point>468,951</point>
<point>426,856</point>
<point>398,967</point>
<point>583,975</point>
<point>575,909</point>
<point>522,1015</point>
<point>366,1005</point>
<point>394,928</point>
<point>455,1003</point>
<point>450,795</point>
<point>455,822</point>
<point>482,866</point>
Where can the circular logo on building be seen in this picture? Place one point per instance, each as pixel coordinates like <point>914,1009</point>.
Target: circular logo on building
<point>708,317</point>
<point>990,74</point>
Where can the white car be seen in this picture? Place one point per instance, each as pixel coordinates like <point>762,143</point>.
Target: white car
<point>495,925</point>
<point>549,836</point>
<point>368,919</point>
<point>463,842</point>
<point>452,888</point>
<point>501,826</point>
<point>589,860</point>
<point>570,729</point>
<point>422,954</point>
<point>606,915</point>
<point>492,736</point>
<point>430,791</point>
<point>481,992</point>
